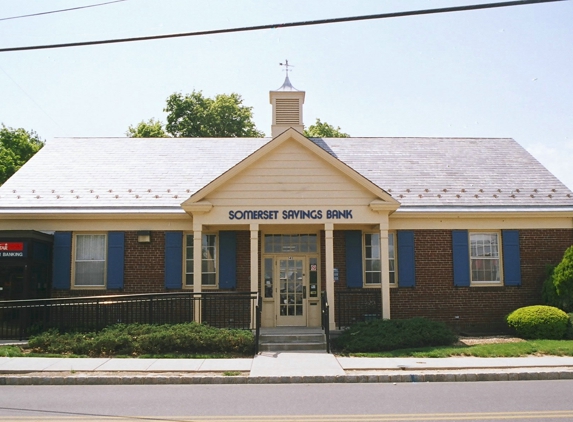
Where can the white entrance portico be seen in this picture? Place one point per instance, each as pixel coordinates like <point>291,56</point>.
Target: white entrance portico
<point>289,211</point>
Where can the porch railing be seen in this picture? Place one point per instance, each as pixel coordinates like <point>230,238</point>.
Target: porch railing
<point>325,311</point>
<point>21,318</point>
<point>258,316</point>
<point>354,306</point>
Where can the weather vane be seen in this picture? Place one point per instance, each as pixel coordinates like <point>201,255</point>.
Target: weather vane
<point>286,65</point>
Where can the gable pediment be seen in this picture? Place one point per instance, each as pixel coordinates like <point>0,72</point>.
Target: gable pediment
<point>291,170</point>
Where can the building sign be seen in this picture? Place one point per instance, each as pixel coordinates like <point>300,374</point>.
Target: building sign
<point>290,215</point>
<point>12,250</point>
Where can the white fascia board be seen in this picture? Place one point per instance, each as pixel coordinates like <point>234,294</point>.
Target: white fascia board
<point>525,211</point>
<point>37,212</point>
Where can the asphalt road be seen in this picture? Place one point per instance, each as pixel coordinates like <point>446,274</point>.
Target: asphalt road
<point>492,401</point>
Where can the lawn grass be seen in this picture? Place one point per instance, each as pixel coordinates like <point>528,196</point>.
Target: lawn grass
<point>19,351</point>
<point>520,349</point>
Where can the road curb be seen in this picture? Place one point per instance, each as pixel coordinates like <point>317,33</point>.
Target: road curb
<point>162,379</point>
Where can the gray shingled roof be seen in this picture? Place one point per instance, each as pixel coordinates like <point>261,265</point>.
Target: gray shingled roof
<point>452,171</point>
<point>135,173</point>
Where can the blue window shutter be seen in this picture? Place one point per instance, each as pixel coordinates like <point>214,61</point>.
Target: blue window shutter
<point>406,259</point>
<point>173,260</point>
<point>354,274</point>
<point>461,258</point>
<point>115,259</point>
<point>511,258</point>
<point>62,268</point>
<point>227,260</point>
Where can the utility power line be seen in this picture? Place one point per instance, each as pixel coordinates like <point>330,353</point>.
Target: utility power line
<point>60,10</point>
<point>286,25</point>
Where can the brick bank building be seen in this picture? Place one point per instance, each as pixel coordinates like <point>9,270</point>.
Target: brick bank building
<point>456,230</point>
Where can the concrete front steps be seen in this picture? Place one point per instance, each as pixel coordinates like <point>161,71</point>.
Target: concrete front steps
<point>292,339</point>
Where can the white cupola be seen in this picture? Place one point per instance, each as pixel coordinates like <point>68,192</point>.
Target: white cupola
<point>287,104</point>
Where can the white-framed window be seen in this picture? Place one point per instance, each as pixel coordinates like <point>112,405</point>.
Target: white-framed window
<point>208,260</point>
<point>372,267</point>
<point>485,259</point>
<point>291,243</point>
<point>90,260</point>
<point>392,258</point>
<point>372,260</point>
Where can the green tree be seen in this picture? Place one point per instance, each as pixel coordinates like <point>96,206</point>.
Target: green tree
<point>195,115</point>
<point>16,147</point>
<point>324,130</point>
<point>562,280</point>
<point>150,129</point>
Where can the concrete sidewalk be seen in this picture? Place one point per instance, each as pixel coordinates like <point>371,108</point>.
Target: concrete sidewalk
<point>283,367</point>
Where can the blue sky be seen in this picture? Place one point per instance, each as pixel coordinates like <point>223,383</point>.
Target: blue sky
<point>490,73</point>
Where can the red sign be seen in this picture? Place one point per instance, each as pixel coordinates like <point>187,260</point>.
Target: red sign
<point>12,246</point>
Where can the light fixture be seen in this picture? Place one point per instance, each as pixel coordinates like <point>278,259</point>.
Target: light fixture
<point>144,236</point>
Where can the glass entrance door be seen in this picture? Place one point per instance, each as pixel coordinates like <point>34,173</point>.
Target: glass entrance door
<point>291,291</point>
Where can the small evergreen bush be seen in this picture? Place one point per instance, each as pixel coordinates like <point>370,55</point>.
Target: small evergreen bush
<point>563,279</point>
<point>142,339</point>
<point>558,287</point>
<point>392,334</point>
<point>539,322</point>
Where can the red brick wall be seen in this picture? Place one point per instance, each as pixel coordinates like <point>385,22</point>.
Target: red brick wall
<point>434,296</point>
<point>478,308</point>
<point>243,261</point>
<point>145,264</point>
<point>144,268</point>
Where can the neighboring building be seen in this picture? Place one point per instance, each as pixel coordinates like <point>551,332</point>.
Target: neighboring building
<point>457,230</point>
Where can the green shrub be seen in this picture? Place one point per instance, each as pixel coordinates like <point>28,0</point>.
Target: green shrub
<point>563,278</point>
<point>139,339</point>
<point>558,287</point>
<point>539,322</point>
<point>392,334</point>
<point>569,332</point>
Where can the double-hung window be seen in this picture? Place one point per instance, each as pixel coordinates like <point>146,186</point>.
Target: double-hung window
<point>208,260</point>
<point>392,258</point>
<point>90,260</point>
<point>373,262</point>
<point>485,258</point>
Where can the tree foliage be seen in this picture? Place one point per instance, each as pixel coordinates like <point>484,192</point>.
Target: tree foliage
<point>563,276</point>
<point>558,288</point>
<point>150,129</point>
<point>195,115</point>
<point>324,130</point>
<point>16,147</point>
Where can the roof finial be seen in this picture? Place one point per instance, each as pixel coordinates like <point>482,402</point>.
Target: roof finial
<point>286,65</point>
<point>287,86</point>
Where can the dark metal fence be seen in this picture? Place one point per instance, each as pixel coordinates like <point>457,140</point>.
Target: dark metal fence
<point>258,317</point>
<point>354,306</point>
<point>21,318</point>
<point>325,310</point>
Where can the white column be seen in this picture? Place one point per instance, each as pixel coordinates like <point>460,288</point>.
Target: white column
<point>197,264</point>
<point>254,266</point>
<point>385,263</point>
<point>254,257</point>
<point>329,264</point>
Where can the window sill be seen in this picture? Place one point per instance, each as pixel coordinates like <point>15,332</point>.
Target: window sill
<point>497,284</point>
<point>88,288</point>
<point>202,287</point>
